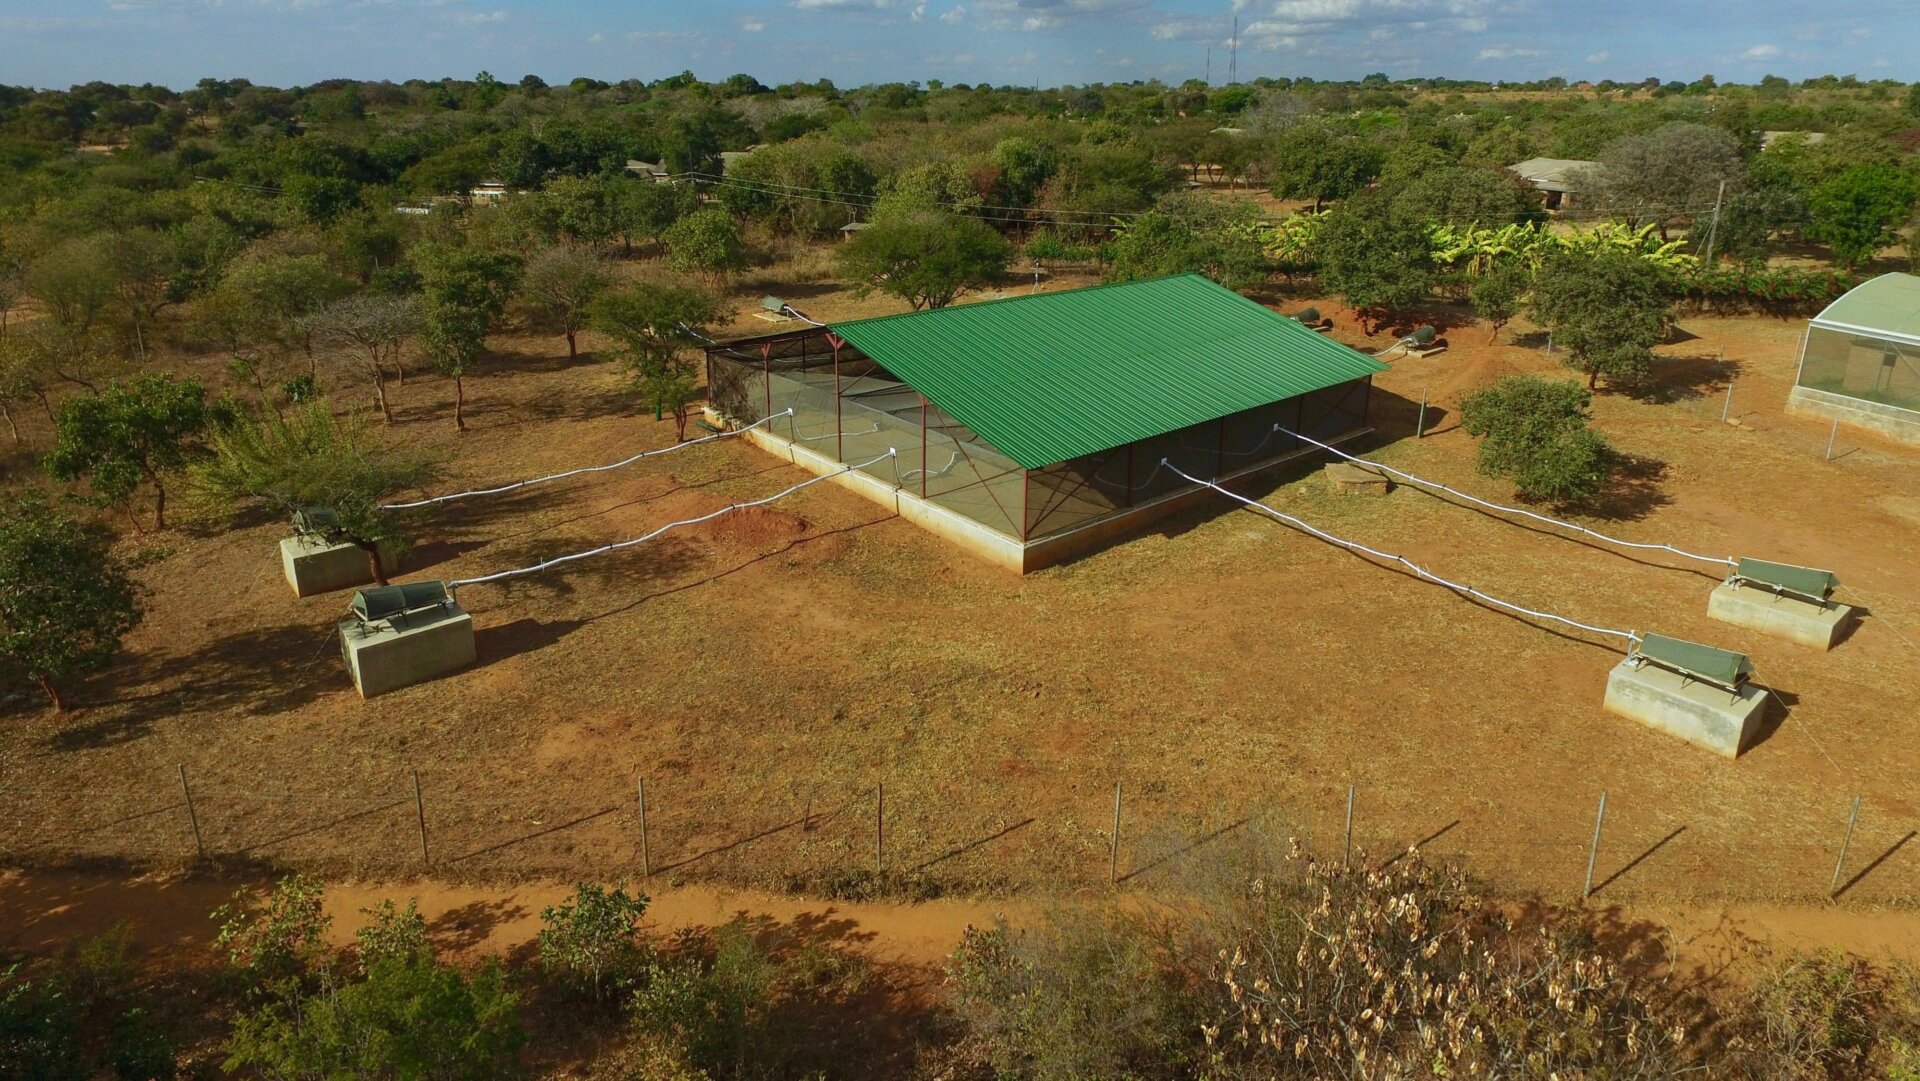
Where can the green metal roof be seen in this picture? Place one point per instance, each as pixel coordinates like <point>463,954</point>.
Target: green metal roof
<point>1053,376</point>
<point>1886,307</point>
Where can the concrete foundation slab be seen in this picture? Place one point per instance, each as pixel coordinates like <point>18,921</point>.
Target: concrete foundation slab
<point>1796,620</point>
<point>409,649</point>
<point>313,566</point>
<point>1348,478</point>
<point>1700,713</point>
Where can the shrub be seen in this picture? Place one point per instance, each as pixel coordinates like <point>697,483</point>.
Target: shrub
<point>1534,432</point>
<point>593,934</point>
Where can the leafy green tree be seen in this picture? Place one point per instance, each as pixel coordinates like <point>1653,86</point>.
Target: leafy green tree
<point>1312,162</point>
<point>646,209</point>
<point>594,934</point>
<point>705,242</point>
<point>258,312</point>
<point>65,600</point>
<point>924,255</point>
<point>1381,261</point>
<point>1191,234</point>
<point>130,434</point>
<point>1496,294</point>
<point>1608,309</point>
<point>408,1017</point>
<point>558,287</point>
<point>1534,432</point>
<point>1857,212</point>
<point>1455,195</point>
<point>312,457</point>
<point>365,333</point>
<point>463,293</point>
<point>653,326</point>
<point>74,284</point>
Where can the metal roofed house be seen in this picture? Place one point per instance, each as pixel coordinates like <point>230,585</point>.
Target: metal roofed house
<point>1860,359</point>
<point>1554,176</point>
<point>1031,429</point>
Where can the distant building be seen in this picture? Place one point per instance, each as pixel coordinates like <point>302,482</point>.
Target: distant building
<point>650,170</point>
<point>1553,176</point>
<point>487,191</point>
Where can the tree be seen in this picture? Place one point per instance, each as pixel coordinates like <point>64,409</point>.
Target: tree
<point>1607,308</point>
<point>1312,162</point>
<point>312,457</point>
<point>1857,212</point>
<point>464,291</point>
<point>1191,235</point>
<point>593,934</point>
<point>408,1017</point>
<point>1496,294</point>
<point>259,308</point>
<point>1674,171</point>
<point>559,285</point>
<point>1534,432</point>
<point>705,242</point>
<point>1454,195</point>
<point>130,434</point>
<point>924,255</point>
<point>366,332</point>
<point>1379,260</point>
<point>65,600</point>
<point>647,209</point>
<point>74,285</point>
<point>652,326</point>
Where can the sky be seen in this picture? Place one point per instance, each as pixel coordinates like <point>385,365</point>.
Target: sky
<point>57,43</point>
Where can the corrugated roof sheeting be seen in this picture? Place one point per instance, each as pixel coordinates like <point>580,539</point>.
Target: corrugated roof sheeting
<point>1053,376</point>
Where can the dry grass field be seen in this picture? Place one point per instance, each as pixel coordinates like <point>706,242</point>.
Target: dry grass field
<point>766,672</point>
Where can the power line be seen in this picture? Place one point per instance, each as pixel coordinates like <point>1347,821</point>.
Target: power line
<point>578,472</point>
<point>643,538</point>
<point>1630,637</point>
<point>1509,510</point>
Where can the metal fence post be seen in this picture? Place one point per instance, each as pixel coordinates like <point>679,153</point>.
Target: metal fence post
<point>640,797</point>
<point>193,818</point>
<point>1839,865</point>
<point>1113,848</point>
<point>1727,409</point>
<point>420,815</point>
<point>1593,852</point>
<point>1420,426</point>
<point>1346,855</point>
<point>1831,436</point>
<point>880,828</point>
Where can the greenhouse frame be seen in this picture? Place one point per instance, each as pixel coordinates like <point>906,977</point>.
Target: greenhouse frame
<point>1860,359</point>
<point>1031,429</point>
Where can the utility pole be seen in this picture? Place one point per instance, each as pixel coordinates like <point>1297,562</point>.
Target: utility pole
<point>1713,230</point>
<point>1209,65</point>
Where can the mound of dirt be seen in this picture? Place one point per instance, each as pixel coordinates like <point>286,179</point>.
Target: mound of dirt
<point>757,526</point>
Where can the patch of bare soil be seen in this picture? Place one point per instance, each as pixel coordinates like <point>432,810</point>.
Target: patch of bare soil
<point>766,676</point>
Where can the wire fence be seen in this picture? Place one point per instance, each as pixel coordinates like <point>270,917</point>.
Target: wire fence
<point>884,838</point>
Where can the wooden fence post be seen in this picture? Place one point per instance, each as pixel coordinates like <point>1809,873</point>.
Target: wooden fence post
<point>193,818</point>
<point>1113,848</point>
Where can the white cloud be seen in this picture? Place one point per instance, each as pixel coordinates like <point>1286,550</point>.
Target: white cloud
<point>475,18</point>
<point>919,11</point>
<point>753,26</point>
<point>596,38</point>
<point>1761,52</point>
<point>1507,52</point>
<point>953,15</point>
<point>1600,57</point>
